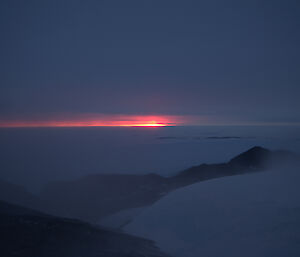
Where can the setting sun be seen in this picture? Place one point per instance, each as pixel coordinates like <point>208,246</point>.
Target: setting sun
<point>154,124</point>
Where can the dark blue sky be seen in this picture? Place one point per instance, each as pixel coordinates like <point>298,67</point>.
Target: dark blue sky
<point>236,60</point>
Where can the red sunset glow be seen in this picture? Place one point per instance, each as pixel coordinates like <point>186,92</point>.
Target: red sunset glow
<point>97,120</point>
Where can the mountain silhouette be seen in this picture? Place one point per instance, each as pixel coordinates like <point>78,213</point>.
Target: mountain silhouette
<point>256,157</point>
<point>96,196</point>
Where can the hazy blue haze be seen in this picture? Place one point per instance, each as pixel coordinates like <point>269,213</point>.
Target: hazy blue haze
<point>34,156</point>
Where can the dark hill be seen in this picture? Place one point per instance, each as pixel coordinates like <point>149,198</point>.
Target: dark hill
<point>256,157</point>
<point>253,160</point>
<point>93,197</point>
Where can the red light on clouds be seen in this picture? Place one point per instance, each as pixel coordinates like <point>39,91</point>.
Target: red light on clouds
<point>97,120</point>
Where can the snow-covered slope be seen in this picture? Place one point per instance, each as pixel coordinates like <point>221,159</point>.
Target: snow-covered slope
<point>253,215</point>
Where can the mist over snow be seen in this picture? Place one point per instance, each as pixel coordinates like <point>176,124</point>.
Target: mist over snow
<point>245,215</point>
<point>32,157</point>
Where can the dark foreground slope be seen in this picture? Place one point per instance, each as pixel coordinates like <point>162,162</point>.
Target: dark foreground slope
<point>94,197</point>
<point>28,233</point>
